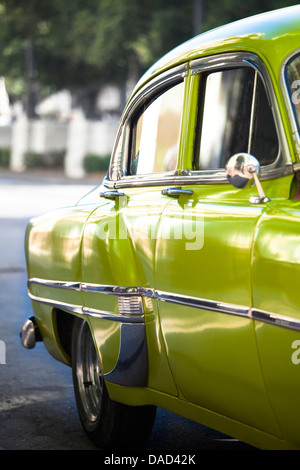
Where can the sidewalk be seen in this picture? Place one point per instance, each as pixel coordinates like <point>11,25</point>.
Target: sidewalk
<point>50,177</point>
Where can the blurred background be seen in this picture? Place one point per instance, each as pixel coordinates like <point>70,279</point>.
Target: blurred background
<point>67,68</point>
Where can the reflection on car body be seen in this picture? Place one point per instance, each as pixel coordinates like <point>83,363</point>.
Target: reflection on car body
<point>209,330</point>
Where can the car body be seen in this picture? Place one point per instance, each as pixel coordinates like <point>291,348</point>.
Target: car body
<point>184,269</point>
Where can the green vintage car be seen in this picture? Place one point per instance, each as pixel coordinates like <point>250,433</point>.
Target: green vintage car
<point>175,283</point>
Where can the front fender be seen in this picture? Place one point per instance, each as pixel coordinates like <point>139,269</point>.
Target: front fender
<point>118,259</point>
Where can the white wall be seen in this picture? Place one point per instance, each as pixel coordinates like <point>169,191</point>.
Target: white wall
<point>77,137</point>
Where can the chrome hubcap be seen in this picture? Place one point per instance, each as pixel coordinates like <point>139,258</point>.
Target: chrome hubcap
<point>89,374</point>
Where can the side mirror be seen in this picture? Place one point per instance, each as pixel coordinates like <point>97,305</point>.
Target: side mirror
<point>242,168</point>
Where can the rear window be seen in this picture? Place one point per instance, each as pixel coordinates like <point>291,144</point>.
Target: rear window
<point>292,73</point>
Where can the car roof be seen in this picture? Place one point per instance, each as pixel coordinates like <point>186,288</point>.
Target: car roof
<point>272,36</point>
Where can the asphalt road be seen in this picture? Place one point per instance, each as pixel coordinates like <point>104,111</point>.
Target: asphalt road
<point>37,406</point>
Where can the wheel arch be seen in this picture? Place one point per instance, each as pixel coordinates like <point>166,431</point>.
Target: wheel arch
<point>63,322</point>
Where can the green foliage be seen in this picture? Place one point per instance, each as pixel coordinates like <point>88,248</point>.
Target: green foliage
<point>96,163</point>
<point>218,13</point>
<point>44,160</point>
<point>82,44</point>
<point>4,158</point>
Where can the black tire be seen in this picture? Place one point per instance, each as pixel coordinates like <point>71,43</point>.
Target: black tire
<point>107,423</point>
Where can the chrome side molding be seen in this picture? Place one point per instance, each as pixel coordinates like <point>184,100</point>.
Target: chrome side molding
<point>131,307</point>
<point>86,311</point>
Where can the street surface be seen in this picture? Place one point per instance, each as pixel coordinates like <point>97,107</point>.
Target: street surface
<point>37,406</point>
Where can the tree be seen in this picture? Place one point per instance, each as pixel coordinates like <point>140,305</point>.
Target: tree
<point>84,44</point>
<point>37,48</point>
<point>218,13</point>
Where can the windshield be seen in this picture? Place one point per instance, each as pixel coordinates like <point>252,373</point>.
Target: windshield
<point>293,82</point>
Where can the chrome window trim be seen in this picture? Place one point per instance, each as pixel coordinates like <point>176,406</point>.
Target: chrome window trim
<point>287,101</point>
<point>225,60</point>
<point>158,84</point>
<point>162,81</point>
<point>200,177</point>
<point>146,180</point>
<point>249,59</point>
<point>283,164</point>
<point>195,302</point>
<point>109,184</point>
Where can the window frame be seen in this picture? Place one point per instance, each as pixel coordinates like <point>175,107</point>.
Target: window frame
<point>121,158</point>
<point>287,99</point>
<point>283,163</point>
<point>282,166</point>
<point>254,86</point>
<point>133,124</point>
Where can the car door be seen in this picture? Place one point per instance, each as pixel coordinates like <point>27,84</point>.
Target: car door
<point>118,249</point>
<point>205,242</point>
<point>276,276</point>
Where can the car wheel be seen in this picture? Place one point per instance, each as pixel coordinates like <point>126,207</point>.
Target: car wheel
<point>106,422</point>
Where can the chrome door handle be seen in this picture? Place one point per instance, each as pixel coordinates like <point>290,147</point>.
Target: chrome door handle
<point>111,194</point>
<point>175,192</point>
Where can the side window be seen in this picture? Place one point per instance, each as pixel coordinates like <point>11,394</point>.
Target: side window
<point>235,116</point>
<point>156,133</point>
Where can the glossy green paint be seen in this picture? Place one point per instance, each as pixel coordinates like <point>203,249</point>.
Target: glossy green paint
<point>118,249</point>
<point>243,432</point>
<point>54,242</point>
<point>53,251</point>
<point>189,122</point>
<point>232,373</point>
<point>276,276</point>
<point>212,260</point>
